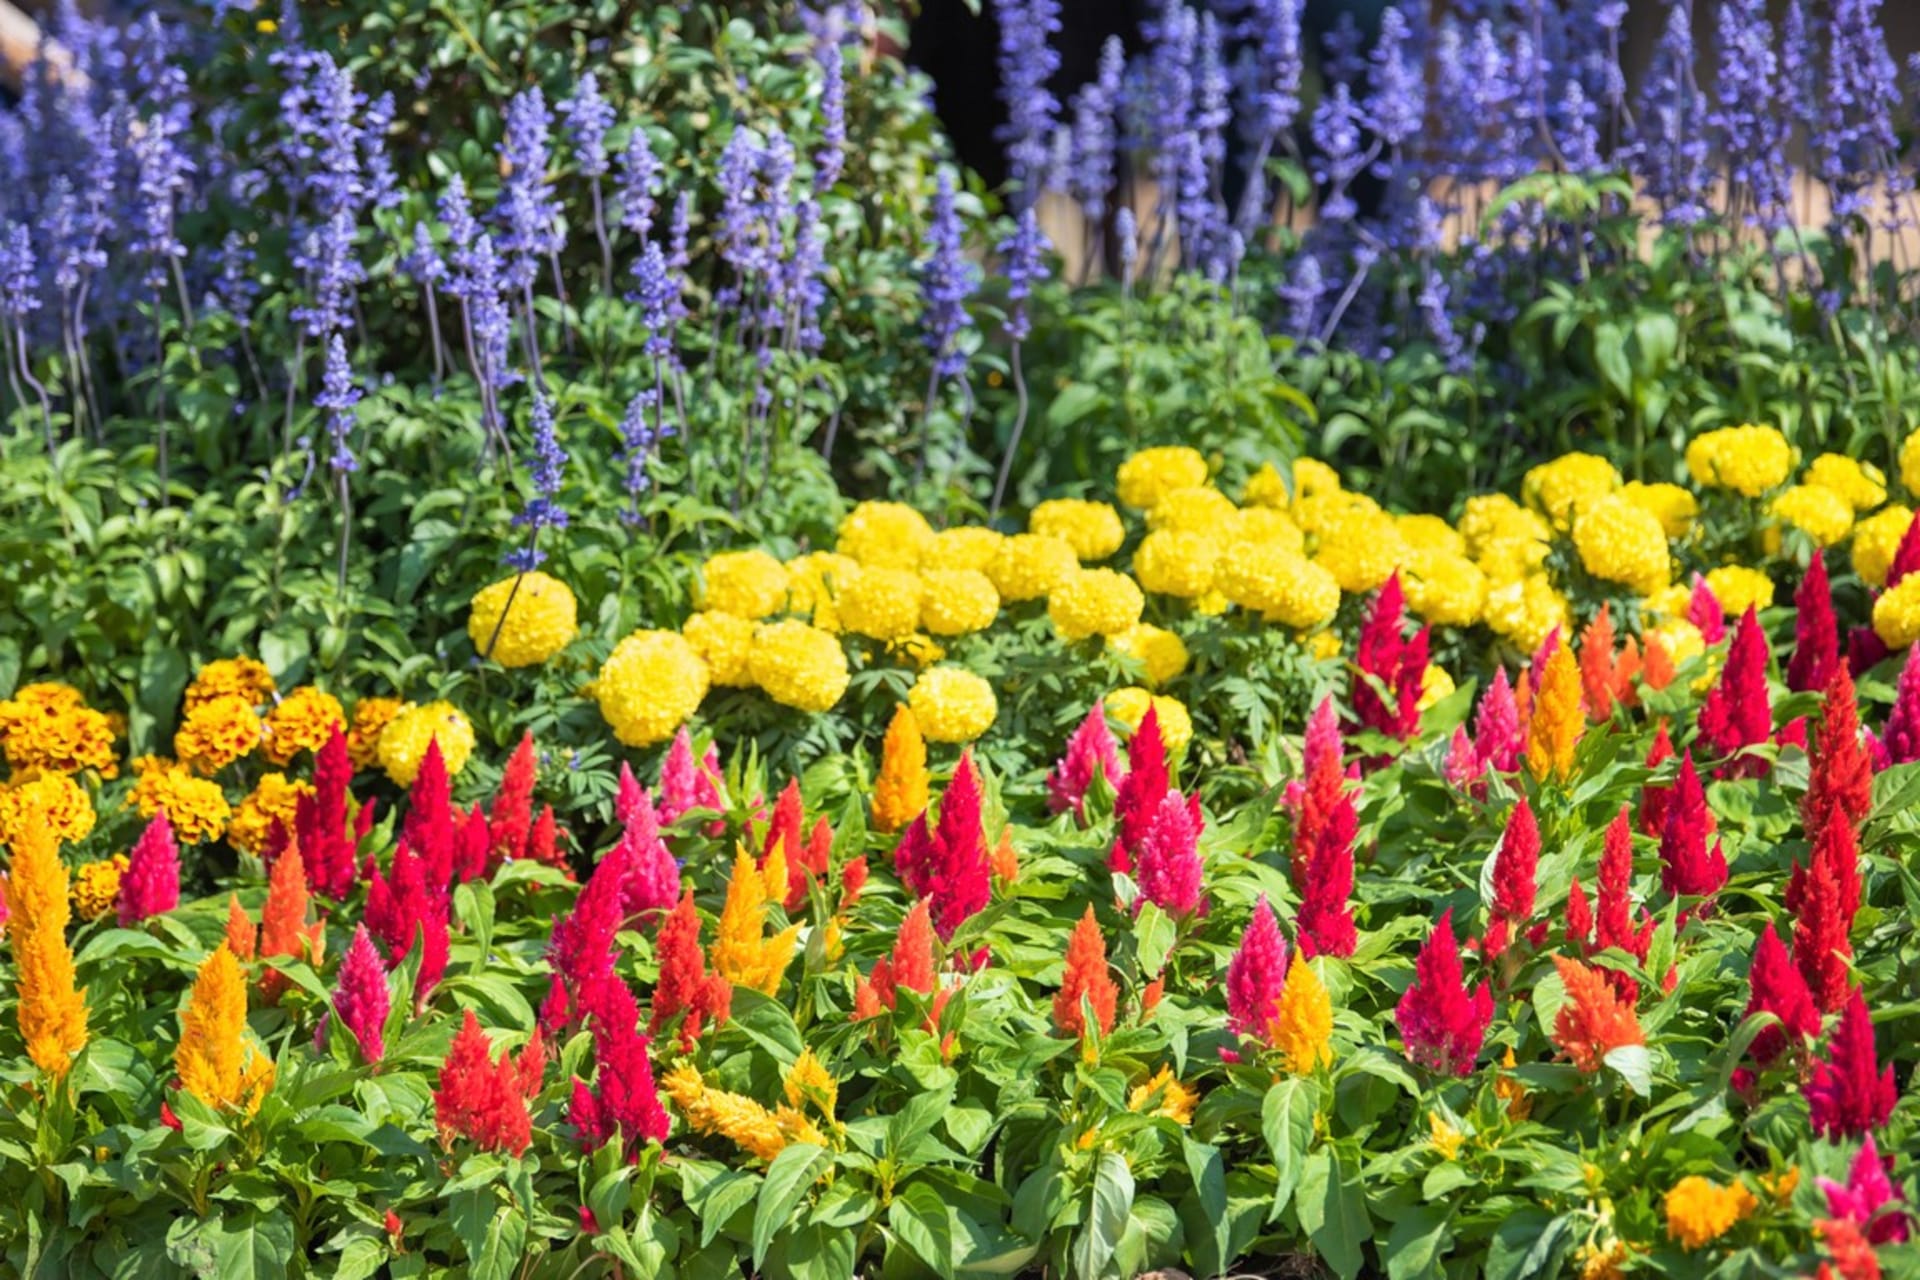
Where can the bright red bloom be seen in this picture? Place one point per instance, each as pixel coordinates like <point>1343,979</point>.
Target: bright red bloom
<point>623,1093</point>
<point>1705,612</point>
<point>1499,730</point>
<point>1398,664</point>
<point>914,959</point>
<point>1594,1021</point>
<point>1656,799</point>
<point>1902,735</point>
<point>1091,751</point>
<point>1688,867</point>
<point>472,842</point>
<point>1256,975</point>
<point>1613,922</point>
<point>809,864</point>
<point>1516,864</point>
<point>853,878</point>
<point>580,949</point>
<point>949,864</point>
<point>784,830</point>
<point>402,907</point>
<point>1169,869</point>
<point>481,1099</point>
<point>1906,557</point>
<point>543,844</point>
<point>1442,1023</point>
<point>1139,794</point>
<point>510,821</point>
<point>1085,978</point>
<point>431,827</point>
<point>360,997</point>
<point>1840,787</point>
<point>1816,635</point>
<point>320,821</point>
<point>1737,713</point>
<point>151,882</point>
<point>1868,1198</point>
<point>1776,987</point>
<point>1826,894</point>
<point>1324,925</point>
<point>685,986</point>
<point>1849,1094</point>
<point>1322,787</point>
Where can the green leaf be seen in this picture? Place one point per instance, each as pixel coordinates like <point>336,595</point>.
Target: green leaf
<point>923,1222</point>
<point>1528,1243</point>
<point>1635,1065</point>
<point>1109,1204</point>
<point>1414,1244</point>
<point>788,1178</point>
<point>1333,1210</point>
<point>494,1233</point>
<point>1209,1175</point>
<point>251,1245</point>
<point>1154,933</point>
<point>1286,1119</point>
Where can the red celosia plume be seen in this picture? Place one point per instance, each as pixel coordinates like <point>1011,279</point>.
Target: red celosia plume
<point>1443,1023</point>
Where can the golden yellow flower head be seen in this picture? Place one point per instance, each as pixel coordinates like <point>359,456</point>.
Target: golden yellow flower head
<point>48,726</point>
<point>723,641</point>
<point>748,584</point>
<point>966,546</point>
<point>1896,614</point>
<point>1500,530</point>
<point>1526,610</point>
<point>649,685</point>
<point>404,744</point>
<point>1560,489</point>
<point>1621,542</point>
<point>1128,707</point>
<point>1279,585</point>
<point>1675,508</point>
<point>243,678</point>
<point>1739,588</point>
<point>1266,488</point>
<point>1151,474</point>
<point>51,1013</point>
<point>1445,588</point>
<point>798,665</point>
<point>1312,478</point>
<point>1303,1027</point>
<point>957,602</point>
<point>196,808</point>
<point>1436,686</point>
<point>1861,483</point>
<point>900,791</point>
<point>53,799</point>
<point>1680,638</point>
<point>371,716</point>
<point>883,604</point>
<point>1030,565</point>
<point>1444,1138</point>
<point>810,1084</point>
<point>304,720</point>
<point>1820,513</point>
<point>1174,562</point>
<point>1162,652</point>
<point>1092,529</point>
<point>1876,540</point>
<point>917,650</point>
<point>1164,1095</point>
<point>96,886</point>
<point>217,732</point>
<point>740,953</point>
<point>1910,465</point>
<point>1600,1261</point>
<point>272,804</point>
<point>1094,602</point>
<point>1360,548</point>
<point>1197,509</point>
<point>216,1061</point>
<point>951,704</point>
<point>813,583</point>
<point>524,620</point>
<point>1747,459</point>
<point>1430,533</point>
<point>1557,720</point>
<point>886,535</point>
<point>715,1112</point>
<point>1263,527</point>
<point>1700,1210</point>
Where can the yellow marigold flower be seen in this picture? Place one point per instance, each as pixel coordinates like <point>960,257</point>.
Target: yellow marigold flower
<point>809,1083</point>
<point>1092,529</point>
<point>96,886</point>
<point>1303,1025</point>
<point>748,584</point>
<point>1435,686</point>
<point>1527,610</point>
<point>1675,508</point>
<point>723,641</point>
<point>1621,542</point>
<point>196,808</point>
<point>1739,588</point>
<point>404,744</point>
<point>1820,513</point>
<point>1747,459</point>
<point>371,716</point>
<point>52,1014</point>
<point>900,791</point>
<point>272,803</point>
<point>1094,602</point>
<point>216,1061</point>
<point>1554,728</point>
<point>1030,565</point>
<point>951,704</point>
<point>1163,653</point>
<point>1493,517</point>
<point>1876,539</point>
<point>1266,526</point>
<point>1861,483</point>
<point>54,800</point>
<point>243,678</point>
<point>1174,562</point>
<point>1680,638</point>
<point>1668,602</point>
<point>1266,488</point>
<point>1196,509</point>
<point>1560,489</point>
<point>957,602</point>
<point>1280,586</point>
<point>885,535</point>
<point>715,1112</point>
<point>1603,1261</point>
<point>967,546</point>
<point>524,620</point>
<point>740,953</point>
<point>217,732</point>
<point>1445,588</point>
<point>1312,477</point>
<point>48,726</point>
<point>1430,533</point>
<point>1326,510</point>
<point>1910,465</point>
<point>798,665</point>
<point>1361,549</point>
<point>1129,706</point>
<point>1323,645</point>
<point>304,720</point>
<point>1700,1211</point>
<point>917,650</point>
<point>1443,1136</point>
<point>813,584</point>
<point>1151,474</point>
<point>1896,614</point>
<point>883,604</point>
<point>1164,1095</point>
<point>650,684</point>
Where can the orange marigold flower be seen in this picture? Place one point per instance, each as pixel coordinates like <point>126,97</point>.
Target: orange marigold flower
<point>370,719</point>
<point>1555,720</point>
<point>301,721</point>
<point>49,726</point>
<point>54,800</point>
<point>1595,1020</point>
<point>271,805</point>
<point>900,792</point>
<point>1085,977</point>
<point>1700,1210</point>
<point>52,1014</point>
<point>217,732</point>
<point>244,678</point>
<point>215,1061</point>
<point>196,807</point>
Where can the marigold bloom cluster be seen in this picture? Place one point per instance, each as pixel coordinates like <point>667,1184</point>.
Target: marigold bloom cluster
<point>524,620</point>
<point>404,742</point>
<point>1749,459</point>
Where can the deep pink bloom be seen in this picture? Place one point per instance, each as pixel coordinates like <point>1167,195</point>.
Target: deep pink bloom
<point>1849,1094</point>
<point>1396,663</point>
<point>327,851</point>
<point>1865,650</point>
<point>623,1093</point>
<point>686,784</point>
<point>1902,735</point>
<point>1656,799</point>
<point>151,882</point>
<point>653,876</point>
<point>628,795</point>
<point>1516,864</point>
<point>1498,735</point>
<point>1776,987</point>
<point>1613,924</point>
<point>1442,1023</point>
<point>1147,780</point>
<point>1688,867</point>
<point>1090,751</point>
<point>1737,713</point>
<point>1256,975</point>
<point>1324,925</point>
<point>1906,557</point>
<point>1816,635</point>
<point>1170,871</point>
<point>360,997</point>
<point>1705,612</point>
<point>472,846</point>
<point>1868,1197</point>
<point>404,907</point>
<point>950,863</point>
<point>1464,770</point>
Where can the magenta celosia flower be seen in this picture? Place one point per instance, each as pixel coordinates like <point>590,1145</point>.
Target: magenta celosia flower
<point>1464,769</point>
<point>327,849</point>
<point>1256,975</point>
<point>623,1093</point>
<point>1498,735</point>
<point>688,784</point>
<point>581,950</point>
<point>431,827</point>
<point>1147,780</point>
<point>1687,866</point>
<point>1705,612</point>
<point>653,876</point>
<point>1849,1095</point>
<point>1868,1197</point>
<point>1091,752</point>
<point>1776,987</point>
<point>1442,1023</point>
<point>629,795</point>
<point>949,863</point>
<point>1324,925</point>
<point>1613,922</point>
<point>405,909</point>
<point>1398,664</point>
<point>1906,556</point>
<point>1901,738</point>
<point>1515,866</point>
<point>151,882</point>
<point>360,997</point>
<point>1816,635</point>
<point>1169,866</point>
<point>1737,713</point>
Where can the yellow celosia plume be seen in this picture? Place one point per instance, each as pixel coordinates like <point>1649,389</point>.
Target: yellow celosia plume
<point>1553,728</point>
<point>52,1014</point>
<point>900,791</point>
<point>741,953</point>
<point>1303,1026</point>
<point>216,1062</point>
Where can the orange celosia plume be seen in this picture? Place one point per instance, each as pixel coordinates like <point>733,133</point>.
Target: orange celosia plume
<point>216,1063</point>
<point>1085,976</point>
<point>1595,1020</point>
<point>1555,719</point>
<point>284,931</point>
<point>900,791</point>
<point>52,1014</point>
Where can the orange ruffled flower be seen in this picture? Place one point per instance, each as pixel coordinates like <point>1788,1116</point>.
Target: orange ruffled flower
<point>1303,1026</point>
<point>370,719</point>
<point>49,726</point>
<point>741,953</point>
<point>1086,975</point>
<point>52,1014</point>
<point>217,732</point>
<point>215,1061</point>
<point>900,792</point>
<point>302,721</point>
<point>1595,1020</point>
<point>1555,720</point>
<point>1164,1095</point>
<point>1700,1211</point>
<point>284,930</point>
